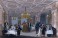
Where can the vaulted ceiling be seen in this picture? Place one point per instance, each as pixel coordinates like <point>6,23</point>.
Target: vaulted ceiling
<point>31,5</point>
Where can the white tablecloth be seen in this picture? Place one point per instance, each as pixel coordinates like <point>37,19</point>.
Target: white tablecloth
<point>14,32</point>
<point>49,32</point>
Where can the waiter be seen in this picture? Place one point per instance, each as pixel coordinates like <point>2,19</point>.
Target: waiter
<point>18,29</point>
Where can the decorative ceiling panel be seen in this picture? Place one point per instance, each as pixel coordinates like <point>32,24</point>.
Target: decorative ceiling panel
<point>31,5</point>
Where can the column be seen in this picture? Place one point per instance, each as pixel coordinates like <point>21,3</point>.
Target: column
<point>55,19</point>
<point>1,19</point>
<point>57,22</point>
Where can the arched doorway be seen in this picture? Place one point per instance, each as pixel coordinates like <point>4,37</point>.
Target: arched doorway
<point>43,18</point>
<point>46,17</point>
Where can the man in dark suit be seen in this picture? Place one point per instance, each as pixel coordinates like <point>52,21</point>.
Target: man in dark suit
<point>54,31</point>
<point>37,27</point>
<point>43,30</point>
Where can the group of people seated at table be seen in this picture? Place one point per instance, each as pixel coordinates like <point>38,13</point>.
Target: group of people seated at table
<point>45,30</point>
<point>12,30</point>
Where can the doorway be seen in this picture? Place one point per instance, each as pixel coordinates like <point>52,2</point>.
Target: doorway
<point>46,18</point>
<point>43,18</point>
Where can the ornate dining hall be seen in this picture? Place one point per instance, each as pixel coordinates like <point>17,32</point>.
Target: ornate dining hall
<point>27,13</point>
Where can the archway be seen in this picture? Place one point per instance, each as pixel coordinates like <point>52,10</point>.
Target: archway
<point>46,17</point>
<point>43,18</point>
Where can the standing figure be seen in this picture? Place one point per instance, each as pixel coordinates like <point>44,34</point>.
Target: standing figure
<point>37,27</point>
<point>43,30</point>
<point>29,27</point>
<point>54,31</point>
<point>19,30</point>
<point>5,28</point>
